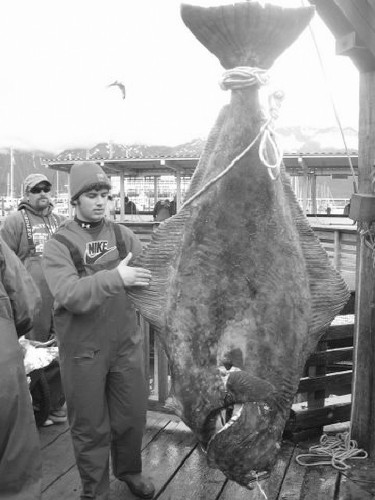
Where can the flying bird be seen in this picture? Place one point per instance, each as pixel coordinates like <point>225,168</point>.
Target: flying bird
<point>120,85</point>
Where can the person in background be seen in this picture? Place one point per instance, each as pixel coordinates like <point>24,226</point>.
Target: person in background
<point>173,206</point>
<point>130,207</point>
<point>347,209</point>
<point>26,231</point>
<point>162,210</point>
<point>110,209</point>
<point>86,264</point>
<point>20,456</point>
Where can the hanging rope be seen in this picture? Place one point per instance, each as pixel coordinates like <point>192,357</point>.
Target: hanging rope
<point>268,141</point>
<point>367,233</point>
<point>334,451</point>
<point>355,187</point>
<point>262,492</point>
<point>235,79</point>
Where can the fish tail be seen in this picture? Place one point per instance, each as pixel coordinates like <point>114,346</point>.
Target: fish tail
<point>246,33</point>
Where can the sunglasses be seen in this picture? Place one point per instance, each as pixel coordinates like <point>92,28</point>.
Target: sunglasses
<point>37,190</point>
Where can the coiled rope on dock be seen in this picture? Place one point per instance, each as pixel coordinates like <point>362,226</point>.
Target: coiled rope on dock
<point>334,451</point>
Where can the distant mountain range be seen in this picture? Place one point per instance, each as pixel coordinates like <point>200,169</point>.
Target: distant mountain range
<point>291,139</point>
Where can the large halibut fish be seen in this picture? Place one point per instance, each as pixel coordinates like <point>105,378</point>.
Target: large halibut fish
<point>242,289</point>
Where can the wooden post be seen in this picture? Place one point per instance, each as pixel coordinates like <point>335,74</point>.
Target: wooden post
<point>122,197</point>
<point>363,404</point>
<point>336,250</point>
<point>305,183</point>
<point>156,189</point>
<point>178,190</point>
<point>314,209</point>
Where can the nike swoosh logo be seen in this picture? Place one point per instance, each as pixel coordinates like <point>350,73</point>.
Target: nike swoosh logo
<point>95,258</point>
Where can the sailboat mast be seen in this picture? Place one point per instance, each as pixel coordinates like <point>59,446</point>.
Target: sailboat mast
<point>11,174</point>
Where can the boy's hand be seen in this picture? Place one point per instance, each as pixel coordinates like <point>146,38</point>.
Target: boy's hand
<point>133,276</point>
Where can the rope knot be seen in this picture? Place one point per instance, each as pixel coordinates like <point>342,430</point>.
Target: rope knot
<point>243,76</point>
<point>270,154</point>
<point>274,102</point>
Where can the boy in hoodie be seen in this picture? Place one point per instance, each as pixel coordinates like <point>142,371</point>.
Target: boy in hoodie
<point>26,231</point>
<point>100,343</point>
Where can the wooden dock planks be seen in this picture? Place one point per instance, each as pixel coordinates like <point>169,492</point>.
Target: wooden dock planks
<point>319,483</point>
<point>178,467</point>
<point>162,456</point>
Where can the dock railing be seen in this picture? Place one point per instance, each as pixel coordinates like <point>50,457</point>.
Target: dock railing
<point>324,393</point>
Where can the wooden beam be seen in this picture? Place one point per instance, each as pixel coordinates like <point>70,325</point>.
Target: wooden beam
<point>333,17</point>
<point>178,190</point>
<point>350,45</point>
<point>363,408</point>
<point>305,186</point>
<point>304,419</point>
<point>330,382</point>
<point>361,16</point>
<point>345,17</point>
<point>330,356</point>
<point>314,209</point>
<point>339,332</point>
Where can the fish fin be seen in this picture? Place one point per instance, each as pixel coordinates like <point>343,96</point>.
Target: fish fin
<point>246,33</point>
<point>158,257</point>
<point>172,404</point>
<point>246,387</point>
<point>329,292</point>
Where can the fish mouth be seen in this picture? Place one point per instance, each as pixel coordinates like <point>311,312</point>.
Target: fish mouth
<point>218,421</point>
<point>242,441</point>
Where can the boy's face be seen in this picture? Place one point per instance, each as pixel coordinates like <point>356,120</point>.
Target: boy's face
<point>91,205</point>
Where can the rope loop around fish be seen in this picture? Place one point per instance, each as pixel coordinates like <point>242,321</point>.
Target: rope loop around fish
<point>334,451</point>
<point>270,154</point>
<point>267,137</point>
<point>243,76</point>
<point>226,170</point>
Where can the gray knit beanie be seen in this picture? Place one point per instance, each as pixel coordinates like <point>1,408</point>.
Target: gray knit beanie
<point>84,175</point>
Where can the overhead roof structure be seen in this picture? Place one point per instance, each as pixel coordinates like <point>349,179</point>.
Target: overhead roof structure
<point>353,25</point>
<point>295,163</point>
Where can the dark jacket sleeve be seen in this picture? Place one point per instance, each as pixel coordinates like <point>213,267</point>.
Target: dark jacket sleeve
<point>14,234</point>
<point>18,285</point>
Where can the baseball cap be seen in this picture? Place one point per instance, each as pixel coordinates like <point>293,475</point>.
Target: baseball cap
<point>33,179</point>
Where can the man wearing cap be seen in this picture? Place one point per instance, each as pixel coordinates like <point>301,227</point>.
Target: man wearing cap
<point>86,266</point>
<point>26,231</point>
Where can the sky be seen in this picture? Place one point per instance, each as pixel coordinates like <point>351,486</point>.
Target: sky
<point>59,56</point>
